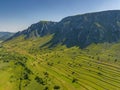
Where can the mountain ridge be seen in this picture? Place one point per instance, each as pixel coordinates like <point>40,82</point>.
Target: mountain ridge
<point>79,30</point>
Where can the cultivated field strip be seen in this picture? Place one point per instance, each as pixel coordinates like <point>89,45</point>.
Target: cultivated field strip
<point>91,75</point>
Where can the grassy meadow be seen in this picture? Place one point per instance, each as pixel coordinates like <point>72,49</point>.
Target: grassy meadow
<point>24,65</point>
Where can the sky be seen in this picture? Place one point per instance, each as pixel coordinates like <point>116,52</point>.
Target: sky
<point>17,15</point>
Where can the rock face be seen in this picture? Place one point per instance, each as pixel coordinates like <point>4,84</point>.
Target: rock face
<point>79,30</point>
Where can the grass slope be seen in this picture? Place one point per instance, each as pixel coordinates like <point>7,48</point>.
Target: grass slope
<point>26,66</point>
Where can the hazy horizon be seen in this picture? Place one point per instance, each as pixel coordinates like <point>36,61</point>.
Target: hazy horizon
<point>18,15</point>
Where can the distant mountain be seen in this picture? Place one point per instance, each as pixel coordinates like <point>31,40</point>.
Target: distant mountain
<point>5,35</point>
<point>79,30</point>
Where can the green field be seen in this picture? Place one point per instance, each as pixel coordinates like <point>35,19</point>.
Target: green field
<point>24,65</point>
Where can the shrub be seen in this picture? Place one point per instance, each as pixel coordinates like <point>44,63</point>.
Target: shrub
<point>73,72</point>
<point>99,73</point>
<point>25,76</point>
<point>56,87</point>
<point>46,88</point>
<point>50,64</point>
<point>46,74</point>
<point>115,60</point>
<point>39,80</point>
<point>74,80</point>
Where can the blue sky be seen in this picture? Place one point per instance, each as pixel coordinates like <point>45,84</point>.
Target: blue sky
<point>17,15</point>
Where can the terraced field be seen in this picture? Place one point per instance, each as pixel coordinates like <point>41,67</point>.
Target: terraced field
<point>26,66</point>
<point>82,71</point>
